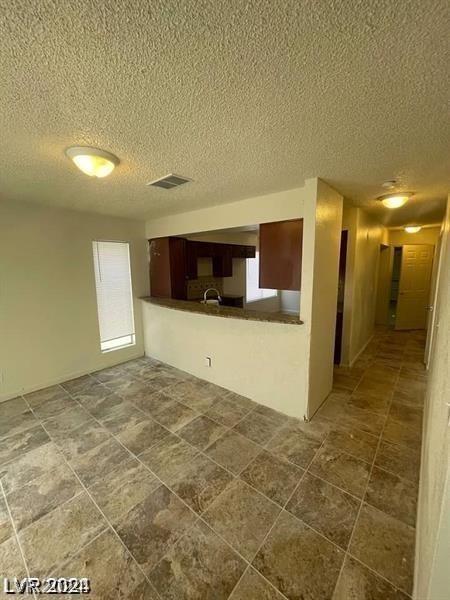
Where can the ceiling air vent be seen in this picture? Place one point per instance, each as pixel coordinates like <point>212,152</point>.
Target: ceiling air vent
<point>169,181</point>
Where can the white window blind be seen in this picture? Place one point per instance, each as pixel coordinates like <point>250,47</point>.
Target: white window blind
<point>114,294</point>
<point>254,292</point>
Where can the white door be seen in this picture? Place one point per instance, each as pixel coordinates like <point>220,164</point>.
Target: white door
<point>414,288</point>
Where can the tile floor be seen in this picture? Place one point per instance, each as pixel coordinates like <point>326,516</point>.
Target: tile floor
<point>158,485</point>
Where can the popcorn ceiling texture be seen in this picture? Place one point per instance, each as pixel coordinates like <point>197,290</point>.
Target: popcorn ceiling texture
<point>244,97</point>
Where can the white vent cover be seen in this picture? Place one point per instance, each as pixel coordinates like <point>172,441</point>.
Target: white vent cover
<point>169,181</point>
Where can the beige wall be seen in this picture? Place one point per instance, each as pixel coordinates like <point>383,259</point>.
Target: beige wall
<point>48,311</point>
<point>427,235</point>
<point>261,209</point>
<point>263,361</point>
<point>365,237</point>
<point>385,266</point>
<point>321,242</point>
<point>432,574</point>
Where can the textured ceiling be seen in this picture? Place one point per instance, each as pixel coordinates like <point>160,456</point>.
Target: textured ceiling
<point>244,97</point>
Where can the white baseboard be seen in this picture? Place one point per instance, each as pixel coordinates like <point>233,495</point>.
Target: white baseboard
<point>57,380</point>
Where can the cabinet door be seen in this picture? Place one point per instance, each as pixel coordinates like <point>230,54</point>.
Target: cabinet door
<point>280,254</point>
<point>240,251</point>
<point>191,260</point>
<point>222,261</point>
<point>178,273</point>
<point>160,283</point>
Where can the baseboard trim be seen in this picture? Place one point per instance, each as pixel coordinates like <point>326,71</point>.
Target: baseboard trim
<point>57,380</point>
<point>352,362</point>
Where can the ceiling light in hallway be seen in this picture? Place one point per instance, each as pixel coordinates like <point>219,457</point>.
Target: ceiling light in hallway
<point>92,161</point>
<point>412,228</point>
<point>395,200</point>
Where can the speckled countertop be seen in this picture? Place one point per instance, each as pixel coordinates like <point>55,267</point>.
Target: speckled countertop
<point>229,312</point>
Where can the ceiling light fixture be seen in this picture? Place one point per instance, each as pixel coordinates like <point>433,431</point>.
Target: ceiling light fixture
<point>412,228</point>
<point>395,200</point>
<point>92,161</point>
<point>389,185</point>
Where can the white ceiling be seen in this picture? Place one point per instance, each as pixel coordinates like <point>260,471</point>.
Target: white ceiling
<point>243,97</point>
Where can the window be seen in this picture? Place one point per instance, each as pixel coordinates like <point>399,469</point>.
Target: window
<point>254,292</point>
<point>114,295</point>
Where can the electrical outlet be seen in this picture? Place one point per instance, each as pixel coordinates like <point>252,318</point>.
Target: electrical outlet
<point>208,361</point>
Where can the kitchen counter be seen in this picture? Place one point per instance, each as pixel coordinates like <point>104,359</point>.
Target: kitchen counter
<point>228,312</point>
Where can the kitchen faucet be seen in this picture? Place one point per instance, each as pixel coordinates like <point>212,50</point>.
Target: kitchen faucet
<point>211,290</point>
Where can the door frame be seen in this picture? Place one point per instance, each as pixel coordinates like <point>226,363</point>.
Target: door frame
<point>435,277</point>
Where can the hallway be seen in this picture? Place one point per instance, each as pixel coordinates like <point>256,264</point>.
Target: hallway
<point>378,403</point>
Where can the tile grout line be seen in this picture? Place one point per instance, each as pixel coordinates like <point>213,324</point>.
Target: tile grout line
<point>347,552</point>
<point>228,429</point>
<point>283,509</point>
<point>98,508</point>
<point>15,532</point>
<point>198,516</point>
<point>202,452</point>
<point>235,477</point>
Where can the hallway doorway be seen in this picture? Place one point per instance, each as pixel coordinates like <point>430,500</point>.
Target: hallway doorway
<point>340,298</point>
<point>413,296</point>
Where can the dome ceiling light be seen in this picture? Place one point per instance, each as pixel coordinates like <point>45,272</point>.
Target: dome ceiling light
<point>412,228</point>
<point>395,200</point>
<point>92,161</point>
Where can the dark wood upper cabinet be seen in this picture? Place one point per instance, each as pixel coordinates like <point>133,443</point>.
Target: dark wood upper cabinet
<point>222,261</point>
<point>280,255</point>
<point>168,268</point>
<point>238,251</point>
<point>222,256</point>
<point>173,261</point>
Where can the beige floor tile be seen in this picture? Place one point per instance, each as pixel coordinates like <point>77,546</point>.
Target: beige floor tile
<point>386,545</point>
<point>201,432</point>
<point>151,527</point>
<point>325,508</point>
<point>61,532</point>
<point>233,451</point>
<point>200,482</point>
<point>200,565</point>
<point>292,444</point>
<point>341,469</point>
<point>253,586</point>
<point>243,517</point>
<point>394,495</point>
<point>127,485</point>
<point>168,457</point>
<point>272,476</point>
<point>299,562</point>
<point>357,582</point>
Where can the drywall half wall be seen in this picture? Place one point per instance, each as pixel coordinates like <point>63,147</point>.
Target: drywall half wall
<point>268,362</point>
<point>432,575</point>
<point>264,361</point>
<point>365,235</point>
<point>48,308</point>
<point>320,271</point>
